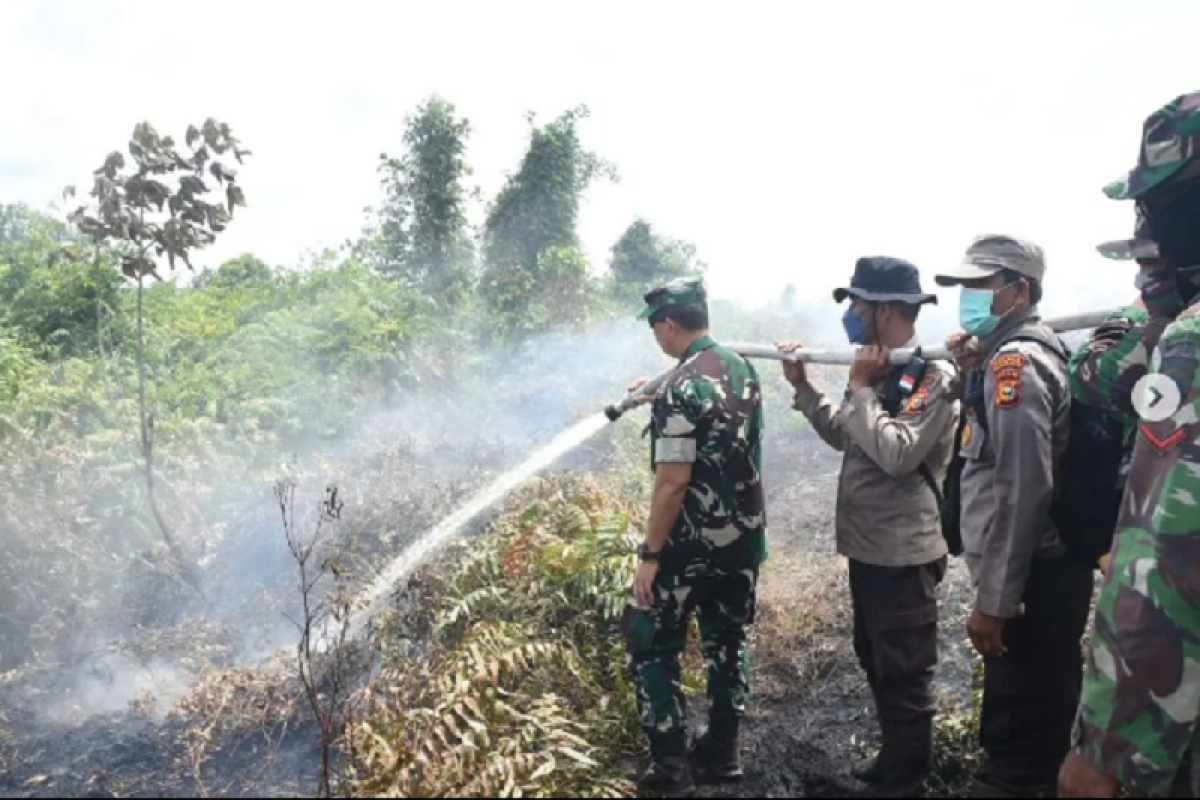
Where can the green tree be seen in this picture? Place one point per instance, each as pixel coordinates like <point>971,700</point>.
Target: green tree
<point>421,237</point>
<point>58,295</point>
<point>135,209</point>
<point>642,258</point>
<point>15,222</point>
<point>244,271</point>
<point>536,211</point>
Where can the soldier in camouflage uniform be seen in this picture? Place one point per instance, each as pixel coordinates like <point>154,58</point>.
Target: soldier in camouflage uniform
<point>1138,717</point>
<point>1107,367</point>
<point>705,543</point>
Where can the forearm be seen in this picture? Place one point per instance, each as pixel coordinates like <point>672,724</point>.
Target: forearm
<point>665,506</point>
<point>822,414</point>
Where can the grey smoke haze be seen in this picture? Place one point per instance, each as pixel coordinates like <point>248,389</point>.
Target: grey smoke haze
<point>113,683</point>
<point>400,469</point>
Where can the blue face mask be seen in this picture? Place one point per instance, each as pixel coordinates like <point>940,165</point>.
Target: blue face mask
<point>856,331</point>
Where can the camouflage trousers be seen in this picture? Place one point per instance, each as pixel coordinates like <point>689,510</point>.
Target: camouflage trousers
<point>657,638</point>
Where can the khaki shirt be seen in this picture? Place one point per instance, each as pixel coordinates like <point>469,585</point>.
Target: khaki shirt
<point>1009,476</point>
<point>887,515</point>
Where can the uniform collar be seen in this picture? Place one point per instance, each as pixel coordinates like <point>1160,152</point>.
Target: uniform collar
<point>1009,327</point>
<point>699,346</point>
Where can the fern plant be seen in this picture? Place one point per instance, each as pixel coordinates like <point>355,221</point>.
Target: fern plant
<point>523,691</point>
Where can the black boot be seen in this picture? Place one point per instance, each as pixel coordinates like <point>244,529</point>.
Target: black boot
<point>906,759</point>
<point>716,758</point>
<point>669,775</point>
<point>869,771</point>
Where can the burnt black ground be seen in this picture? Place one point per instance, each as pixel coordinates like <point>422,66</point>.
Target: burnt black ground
<point>128,755</point>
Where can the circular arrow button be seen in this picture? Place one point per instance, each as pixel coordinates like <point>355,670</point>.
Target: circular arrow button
<point>1156,398</point>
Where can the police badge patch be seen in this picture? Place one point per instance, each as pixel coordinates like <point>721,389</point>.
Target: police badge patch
<point>1008,393</point>
<point>1008,370</point>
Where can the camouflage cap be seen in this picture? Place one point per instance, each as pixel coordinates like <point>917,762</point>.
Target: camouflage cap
<point>1141,246</point>
<point>1170,141</point>
<point>990,254</point>
<point>679,292</point>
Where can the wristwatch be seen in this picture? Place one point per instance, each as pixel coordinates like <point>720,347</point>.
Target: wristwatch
<point>647,556</point>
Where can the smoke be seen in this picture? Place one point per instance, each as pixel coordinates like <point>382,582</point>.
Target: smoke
<point>116,683</point>
<point>402,468</point>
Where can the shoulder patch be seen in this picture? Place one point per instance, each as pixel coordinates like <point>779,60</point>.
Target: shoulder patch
<point>1009,362</point>
<point>916,405</point>
<point>1008,369</point>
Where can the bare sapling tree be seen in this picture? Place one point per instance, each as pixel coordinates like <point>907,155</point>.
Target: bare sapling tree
<point>159,203</point>
<point>331,665</point>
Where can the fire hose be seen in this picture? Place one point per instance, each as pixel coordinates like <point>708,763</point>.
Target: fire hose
<point>829,357</point>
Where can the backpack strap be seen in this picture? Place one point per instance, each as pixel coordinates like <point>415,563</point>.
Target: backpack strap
<point>973,397</point>
<point>903,381</point>
<point>1052,343</point>
<point>893,394</point>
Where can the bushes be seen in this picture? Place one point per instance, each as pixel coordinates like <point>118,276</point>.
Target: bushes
<point>522,689</point>
<point>263,358</point>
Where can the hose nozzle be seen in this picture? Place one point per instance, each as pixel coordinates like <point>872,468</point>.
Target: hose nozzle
<point>635,398</point>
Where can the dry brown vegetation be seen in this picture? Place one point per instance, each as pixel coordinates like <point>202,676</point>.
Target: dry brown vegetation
<point>229,710</point>
<point>794,638</point>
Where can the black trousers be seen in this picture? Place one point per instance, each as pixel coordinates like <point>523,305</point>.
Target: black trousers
<point>1031,694</point>
<point>896,635</point>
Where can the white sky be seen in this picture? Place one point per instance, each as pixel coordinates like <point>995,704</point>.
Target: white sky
<point>784,140</point>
